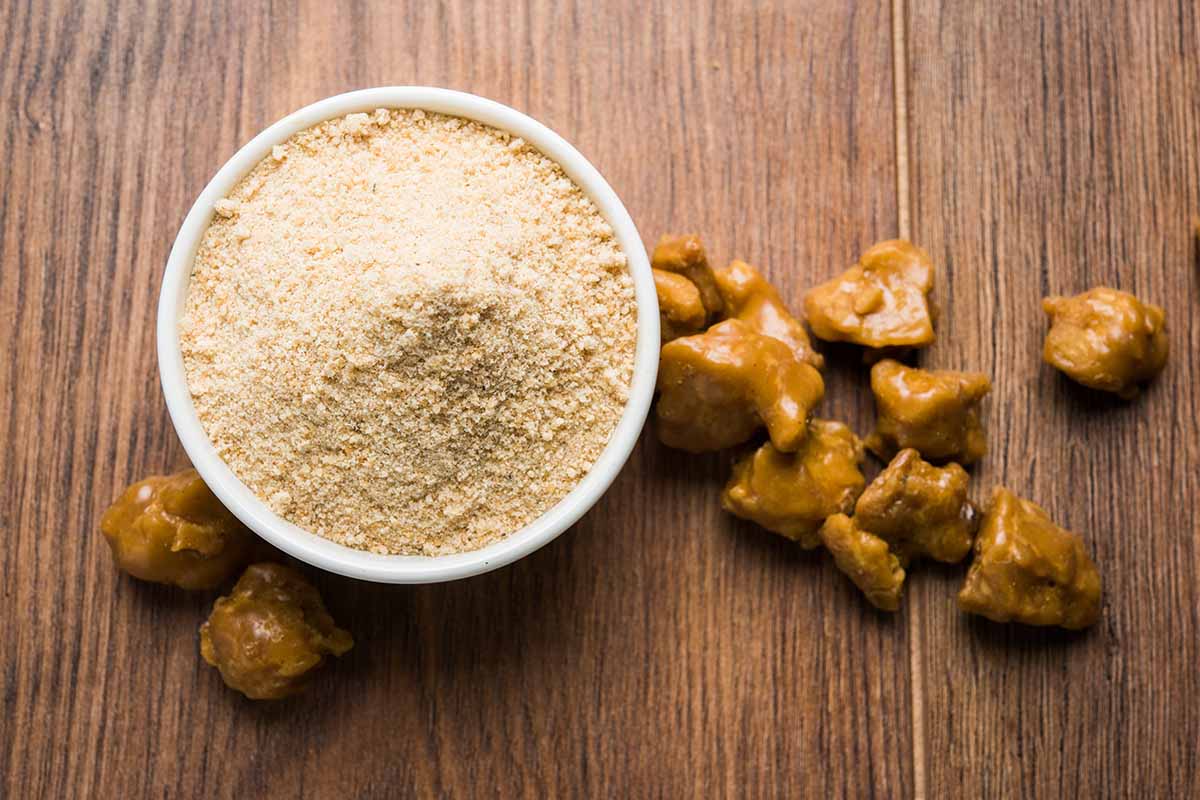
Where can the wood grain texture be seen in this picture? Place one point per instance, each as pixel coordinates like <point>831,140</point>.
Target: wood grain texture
<point>659,648</point>
<point>1056,147</point>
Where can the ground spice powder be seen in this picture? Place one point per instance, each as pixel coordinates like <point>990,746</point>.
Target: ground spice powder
<point>409,333</point>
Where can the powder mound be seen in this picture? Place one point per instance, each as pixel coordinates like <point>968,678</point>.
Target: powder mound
<point>414,335</point>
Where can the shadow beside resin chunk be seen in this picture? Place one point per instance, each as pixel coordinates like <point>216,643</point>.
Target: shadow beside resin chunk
<point>880,302</point>
<point>920,510</point>
<point>932,411</point>
<point>748,296</point>
<point>866,560</point>
<point>172,529</point>
<point>270,633</point>
<point>793,493</point>
<point>1027,569</point>
<point>720,387</point>
<point>1106,339</point>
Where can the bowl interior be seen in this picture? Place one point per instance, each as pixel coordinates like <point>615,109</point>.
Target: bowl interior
<point>329,555</point>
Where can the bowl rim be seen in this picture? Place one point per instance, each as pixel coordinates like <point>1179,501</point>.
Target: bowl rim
<point>327,554</point>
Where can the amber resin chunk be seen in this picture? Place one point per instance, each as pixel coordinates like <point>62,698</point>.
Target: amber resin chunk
<point>270,633</point>
<point>932,411</point>
<point>920,510</point>
<point>748,296</point>
<point>721,386</point>
<point>172,529</point>
<point>685,256</point>
<point>680,310</point>
<point>866,560</point>
<point>792,494</point>
<point>1027,569</point>
<point>1106,339</point>
<point>880,302</point>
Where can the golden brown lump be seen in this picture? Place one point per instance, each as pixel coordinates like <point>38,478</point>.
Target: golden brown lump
<point>680,310</point>
<point>880,302</point>
<point>718,388</point>
<point>685,255</point>
<point>270,633</point>
<point>748,296</point>
<point>920,510</point>
<point>793,493</point>
<point>1027,569</point>
<point>932,411</point>
<point>1106,339</point>
<point>866,560</point>
<point>172,529</point>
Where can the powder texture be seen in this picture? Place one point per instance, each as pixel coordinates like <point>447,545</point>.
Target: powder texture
<point>408,332</point>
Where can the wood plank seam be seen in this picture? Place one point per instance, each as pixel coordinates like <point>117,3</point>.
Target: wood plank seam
<point>916,637</point>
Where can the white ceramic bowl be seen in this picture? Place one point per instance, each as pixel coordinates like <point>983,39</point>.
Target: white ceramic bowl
<point>322,552</point>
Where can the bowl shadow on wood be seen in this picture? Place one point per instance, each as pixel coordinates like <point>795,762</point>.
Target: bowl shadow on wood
<point>668,468</point>
<point>476,613</point>
<point>178,614</point>
<point>484,626</point>
<point>427,640</point>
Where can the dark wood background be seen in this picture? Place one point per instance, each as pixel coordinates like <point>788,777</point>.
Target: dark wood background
<point>660,648</point>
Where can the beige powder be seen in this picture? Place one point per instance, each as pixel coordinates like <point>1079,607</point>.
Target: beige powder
<point>409,333</point>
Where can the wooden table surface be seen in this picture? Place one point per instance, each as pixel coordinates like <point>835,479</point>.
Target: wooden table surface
<point>660,648</point>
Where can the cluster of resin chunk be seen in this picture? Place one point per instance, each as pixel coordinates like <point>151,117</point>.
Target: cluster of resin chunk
<point>736,365</point>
